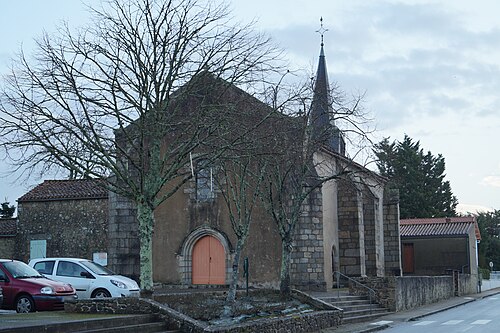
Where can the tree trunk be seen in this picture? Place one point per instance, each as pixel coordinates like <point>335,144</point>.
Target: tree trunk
<point>145,216</point>
<point>286,249</point>
<point>231,295</point>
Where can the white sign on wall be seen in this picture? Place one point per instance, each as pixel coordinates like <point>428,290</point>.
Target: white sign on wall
<point>101,258</point>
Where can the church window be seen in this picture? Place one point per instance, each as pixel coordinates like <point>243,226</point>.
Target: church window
<point>205,187</point>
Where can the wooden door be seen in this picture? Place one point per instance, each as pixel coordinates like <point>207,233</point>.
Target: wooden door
<point>209,261</point>
<point>408,258</point>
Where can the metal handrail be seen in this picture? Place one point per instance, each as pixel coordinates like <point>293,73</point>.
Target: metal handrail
<point>370,290</point>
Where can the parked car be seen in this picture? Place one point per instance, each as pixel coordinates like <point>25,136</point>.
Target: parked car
<point>26,290</point>
<point>1,297</point>
<point>90,279</point>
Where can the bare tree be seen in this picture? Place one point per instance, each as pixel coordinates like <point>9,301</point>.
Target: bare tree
<point>130,97</point>
<point>240,183</point>
<point>294,170</point>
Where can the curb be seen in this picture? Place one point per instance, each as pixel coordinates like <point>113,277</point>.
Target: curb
<point>440,310</point>
<point>452,306</point>
<point>374,329</point>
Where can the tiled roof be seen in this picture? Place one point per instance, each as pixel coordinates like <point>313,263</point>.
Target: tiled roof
<point>445,226</point>
<point>8,227</point>
<point>66,190</point>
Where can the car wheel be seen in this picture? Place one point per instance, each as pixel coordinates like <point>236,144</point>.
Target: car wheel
<point>100,293</point>
<point>25,304</point>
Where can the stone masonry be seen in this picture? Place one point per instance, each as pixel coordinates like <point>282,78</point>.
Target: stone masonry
<point>369,224</point>
<point>123,235</point>
<point>307,262</point>
<point>72,228</point>
<point>349,247</point>
<point>391,233</point>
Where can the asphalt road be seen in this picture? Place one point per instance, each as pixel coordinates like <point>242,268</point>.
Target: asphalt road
<point>481,316</point>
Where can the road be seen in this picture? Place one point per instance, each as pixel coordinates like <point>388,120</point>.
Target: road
<point>480,316</point>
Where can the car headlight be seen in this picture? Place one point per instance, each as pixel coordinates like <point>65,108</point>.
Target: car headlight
<point>119,284</point>
<point>47,290</point>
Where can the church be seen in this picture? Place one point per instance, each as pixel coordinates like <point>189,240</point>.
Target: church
<point>348,225</point>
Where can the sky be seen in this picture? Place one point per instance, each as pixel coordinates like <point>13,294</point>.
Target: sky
<point>429,69</point>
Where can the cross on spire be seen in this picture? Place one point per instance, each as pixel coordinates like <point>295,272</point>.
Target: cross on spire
<point>321,29</point>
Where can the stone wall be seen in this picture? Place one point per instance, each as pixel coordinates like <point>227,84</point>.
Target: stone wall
<point>416,291</point>
<point>123,256</point>
<point>307,258</point>
<point>392,241</point>
<point>8,232</point>
<point>403,293</point>
<point>349,247</point>
<point>325,316</point>
<point>7,246</point>
<point>384,287</point>
<point>71,228</point>
<point>369,224</point>
<point>467,284</point>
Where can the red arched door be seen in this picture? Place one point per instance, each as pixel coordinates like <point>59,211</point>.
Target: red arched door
<point>209,263</point>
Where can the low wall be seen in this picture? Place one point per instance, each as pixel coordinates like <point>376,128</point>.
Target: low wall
<point>325,316</point>
<point>415,291</point>
<point>401,293</point>
<point>467,284</point>
<point>384,287</point>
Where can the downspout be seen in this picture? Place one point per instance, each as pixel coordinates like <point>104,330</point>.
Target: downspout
<point>468,256</point>
<point>477,253</point>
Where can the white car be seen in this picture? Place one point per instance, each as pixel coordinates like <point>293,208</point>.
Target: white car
<point>90,279</point>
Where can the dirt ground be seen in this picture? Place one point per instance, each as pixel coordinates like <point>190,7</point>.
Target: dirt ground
<point>258,304</point>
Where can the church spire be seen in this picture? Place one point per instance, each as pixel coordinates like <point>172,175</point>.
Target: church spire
<point>321,115</point>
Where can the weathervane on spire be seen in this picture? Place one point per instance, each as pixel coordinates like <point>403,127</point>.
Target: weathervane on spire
<point>321,30</point>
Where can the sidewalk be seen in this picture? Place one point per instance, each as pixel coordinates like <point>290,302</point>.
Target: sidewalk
<point>414,314</point>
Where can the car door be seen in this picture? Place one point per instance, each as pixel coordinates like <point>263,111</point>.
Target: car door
<point>71,272</point>
<point>8,293</point>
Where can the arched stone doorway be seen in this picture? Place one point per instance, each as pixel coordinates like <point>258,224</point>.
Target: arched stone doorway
<point>209,264</point>
<point>204,257</point>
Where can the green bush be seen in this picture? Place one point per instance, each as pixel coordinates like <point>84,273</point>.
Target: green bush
<point>485,273</point>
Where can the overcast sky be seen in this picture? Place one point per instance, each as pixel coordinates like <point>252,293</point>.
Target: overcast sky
<point>430,69</point>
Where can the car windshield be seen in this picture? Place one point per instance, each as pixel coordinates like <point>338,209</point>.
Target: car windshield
<point>96,268</point>
<point>19,270</point>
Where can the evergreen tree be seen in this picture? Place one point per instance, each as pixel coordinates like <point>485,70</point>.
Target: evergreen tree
<point>419,177</point>
<point>7,211</point>
<point>489,247</point>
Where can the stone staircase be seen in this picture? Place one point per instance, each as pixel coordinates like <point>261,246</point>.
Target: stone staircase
<point>122,324</point>
<point>356,308</point>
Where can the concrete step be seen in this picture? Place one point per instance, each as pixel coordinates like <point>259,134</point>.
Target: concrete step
<point>355,307</point>
<point>354,313</point>
<point>362,318</point>
<point>122,324</point>
<point>344,298</point>
<point>341,304</point>
<point>154,327</point>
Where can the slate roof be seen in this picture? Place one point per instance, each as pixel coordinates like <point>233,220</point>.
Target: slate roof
<point>8,227</point>
<point>439,227</point>
<point>78,189</point>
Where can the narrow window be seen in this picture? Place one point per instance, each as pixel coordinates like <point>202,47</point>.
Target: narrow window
<point>205,189</point>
